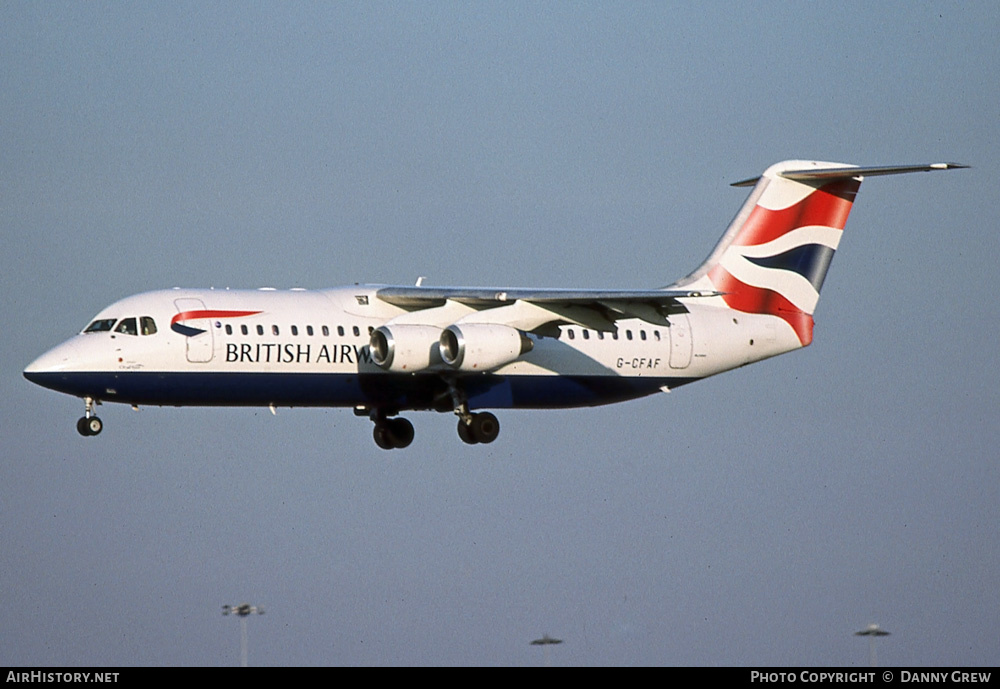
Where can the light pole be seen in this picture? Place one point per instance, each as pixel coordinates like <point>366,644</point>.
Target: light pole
<point>243,610</point>
<point>871,631</point>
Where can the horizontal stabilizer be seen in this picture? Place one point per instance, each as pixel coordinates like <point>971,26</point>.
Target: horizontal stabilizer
<point>848,172</point>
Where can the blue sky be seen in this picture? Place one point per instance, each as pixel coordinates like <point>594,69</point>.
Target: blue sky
<point>758,518</point>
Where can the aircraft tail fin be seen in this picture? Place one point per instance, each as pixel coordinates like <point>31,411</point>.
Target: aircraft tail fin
<point>775,254</point>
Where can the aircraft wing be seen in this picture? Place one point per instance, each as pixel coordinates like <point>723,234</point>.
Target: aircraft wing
<point>535,309</point>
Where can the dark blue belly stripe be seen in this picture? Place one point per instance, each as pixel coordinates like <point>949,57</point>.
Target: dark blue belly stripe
<point>388,391</point>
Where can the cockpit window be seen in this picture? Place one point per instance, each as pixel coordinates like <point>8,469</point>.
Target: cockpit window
<point>127,327</point>
<point>148,325</point>
<point>100,325</point>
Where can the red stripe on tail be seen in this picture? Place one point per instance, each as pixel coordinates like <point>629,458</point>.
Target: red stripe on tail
<point>828,206</point>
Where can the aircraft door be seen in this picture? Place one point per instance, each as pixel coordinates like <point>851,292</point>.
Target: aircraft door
<point>681,344</point>
<point>196,328</point>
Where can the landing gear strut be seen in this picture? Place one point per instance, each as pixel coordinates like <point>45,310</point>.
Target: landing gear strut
<point>88,424</point>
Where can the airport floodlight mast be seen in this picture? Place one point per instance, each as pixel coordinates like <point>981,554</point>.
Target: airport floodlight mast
<point>243,611</point>
<point>545,642</point>
<point>872,631</point>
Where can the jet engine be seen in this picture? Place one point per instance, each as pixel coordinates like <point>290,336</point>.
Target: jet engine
<point>482,346</point>
<point>405,348</point>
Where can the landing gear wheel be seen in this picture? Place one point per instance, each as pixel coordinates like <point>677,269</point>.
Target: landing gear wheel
<point>465,433</point>
<point>485,427</point>
<point>392,434</point>
<point>401,431</point>
<point>383,438</point>
<point>89,425</point>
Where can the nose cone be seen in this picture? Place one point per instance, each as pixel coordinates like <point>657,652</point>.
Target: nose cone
<point>56,359</point>
<point>54,368</point>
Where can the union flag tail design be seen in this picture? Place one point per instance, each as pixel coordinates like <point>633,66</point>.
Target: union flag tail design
<point>775,255</point>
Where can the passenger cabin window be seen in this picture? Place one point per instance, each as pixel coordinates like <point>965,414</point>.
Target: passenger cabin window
<point>243,329</point>
<point>357,333</point>
<point>274,330</point>
<point>147,325</point>
<point>127,327</point>
<point>229,329</point>
<point>326,331</point>
<point>309,330</point>
<point>100,326</point>
<point>340,330</point>
<point>260,329</point>
<point>295,330</point>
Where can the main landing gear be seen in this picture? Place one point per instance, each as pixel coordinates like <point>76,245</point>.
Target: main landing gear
<point>479,428</point>
<point>396,432</point>
<point>392,434</point>
<point>88,424</point>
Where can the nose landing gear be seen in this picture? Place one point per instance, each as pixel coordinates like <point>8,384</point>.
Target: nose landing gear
<point>88,424</point>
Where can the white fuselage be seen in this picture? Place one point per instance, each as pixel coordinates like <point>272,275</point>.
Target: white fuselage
<point>311,348</point>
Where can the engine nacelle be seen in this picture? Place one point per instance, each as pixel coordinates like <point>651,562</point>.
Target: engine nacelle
<point>405,348</point>
<point>482,346</point>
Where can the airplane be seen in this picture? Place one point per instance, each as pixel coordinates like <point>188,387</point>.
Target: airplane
<point>383,350</point>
